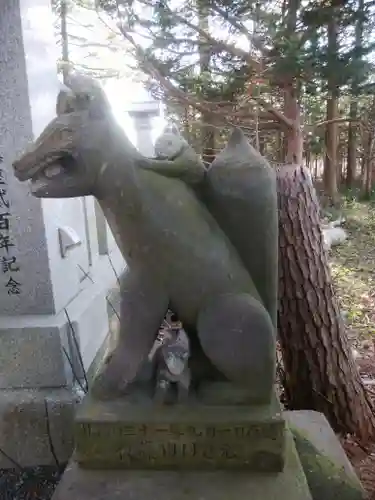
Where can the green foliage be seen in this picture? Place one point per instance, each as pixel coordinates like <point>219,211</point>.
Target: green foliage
<point>291,44</point>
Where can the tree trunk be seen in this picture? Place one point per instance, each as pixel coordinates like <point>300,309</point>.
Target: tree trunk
<point>367,174</point>
<point>208,139</point>
<point>279,148</point>
<point>330,163</point>
<point>293,135</point>
<point>64,39</point>
<point>368,180</point>
<point>261,147</point>
<point>340,165</point>
<point>353,112</point>
<point>330,160</point>
<point>308,157</point>
<point>207,126</point>
<point>320,372</point>
<point>352,146</point>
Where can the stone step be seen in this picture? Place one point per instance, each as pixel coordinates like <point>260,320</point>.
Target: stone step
<point>123,435</point>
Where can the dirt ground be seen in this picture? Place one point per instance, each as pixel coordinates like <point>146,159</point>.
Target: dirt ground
<point>33,483</point>
<point>353,272</point>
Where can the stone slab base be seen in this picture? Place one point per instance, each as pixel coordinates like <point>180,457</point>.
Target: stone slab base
<point>36,427</point>
<point>81,484</point>
<point>329,473</point>
<point>123,435</point>
<point>316,468</point>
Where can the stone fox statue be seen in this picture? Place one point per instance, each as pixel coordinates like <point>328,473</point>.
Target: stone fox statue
<point>239,189</point>
<point>178,254</point>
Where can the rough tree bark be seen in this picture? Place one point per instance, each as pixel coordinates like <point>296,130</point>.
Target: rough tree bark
<point>320,372</point>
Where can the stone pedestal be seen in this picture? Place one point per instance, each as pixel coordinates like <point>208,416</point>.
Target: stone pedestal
<point>83,484</point>
<point>42,282</point>
<point>315,468</point>
<point>123,435</point>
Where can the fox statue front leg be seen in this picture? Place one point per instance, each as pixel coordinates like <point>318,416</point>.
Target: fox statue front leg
<point>143,307</point>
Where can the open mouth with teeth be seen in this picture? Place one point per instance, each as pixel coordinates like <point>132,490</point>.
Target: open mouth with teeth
<point>48,160</point>
<point>51,162</point>
<point>47,172</point>
<point>43,179</point>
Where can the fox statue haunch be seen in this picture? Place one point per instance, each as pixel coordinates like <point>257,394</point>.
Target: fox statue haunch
<point>239,189</point>
<point>176,252</point>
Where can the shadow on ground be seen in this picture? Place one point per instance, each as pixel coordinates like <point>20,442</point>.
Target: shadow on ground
<point>34,483</point>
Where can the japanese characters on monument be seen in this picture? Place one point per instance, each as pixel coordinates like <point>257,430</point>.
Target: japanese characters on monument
<point>8,262</point>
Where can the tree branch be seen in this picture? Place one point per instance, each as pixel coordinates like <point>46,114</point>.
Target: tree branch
<point>278,115</point>
<point>219,44</point>
<point>236,23</point>
<point>336,120</point>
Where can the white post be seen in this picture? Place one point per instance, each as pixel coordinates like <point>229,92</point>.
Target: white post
<point>142,114</point>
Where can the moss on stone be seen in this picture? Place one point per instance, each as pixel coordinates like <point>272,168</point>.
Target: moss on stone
<point>326,480</point>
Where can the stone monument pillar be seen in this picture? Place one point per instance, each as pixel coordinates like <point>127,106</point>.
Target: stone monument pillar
<point>142,114</point>
<point>53,276</point>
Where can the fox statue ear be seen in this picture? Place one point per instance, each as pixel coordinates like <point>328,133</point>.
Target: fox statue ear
<point>65,102</point>
<point>89,95</point>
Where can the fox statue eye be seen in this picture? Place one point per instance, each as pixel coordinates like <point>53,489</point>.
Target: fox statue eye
<point>53,170</point>
<point>83,98</point>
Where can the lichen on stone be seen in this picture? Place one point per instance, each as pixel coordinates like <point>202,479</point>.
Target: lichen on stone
<point>326,480</point>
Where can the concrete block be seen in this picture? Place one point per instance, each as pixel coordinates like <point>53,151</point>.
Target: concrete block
<point>131,435</point>
<point>31,356</point>
<point>35,427</point>
<point>83,484</point>
<point>329,473</point>
<point>32,347</point>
